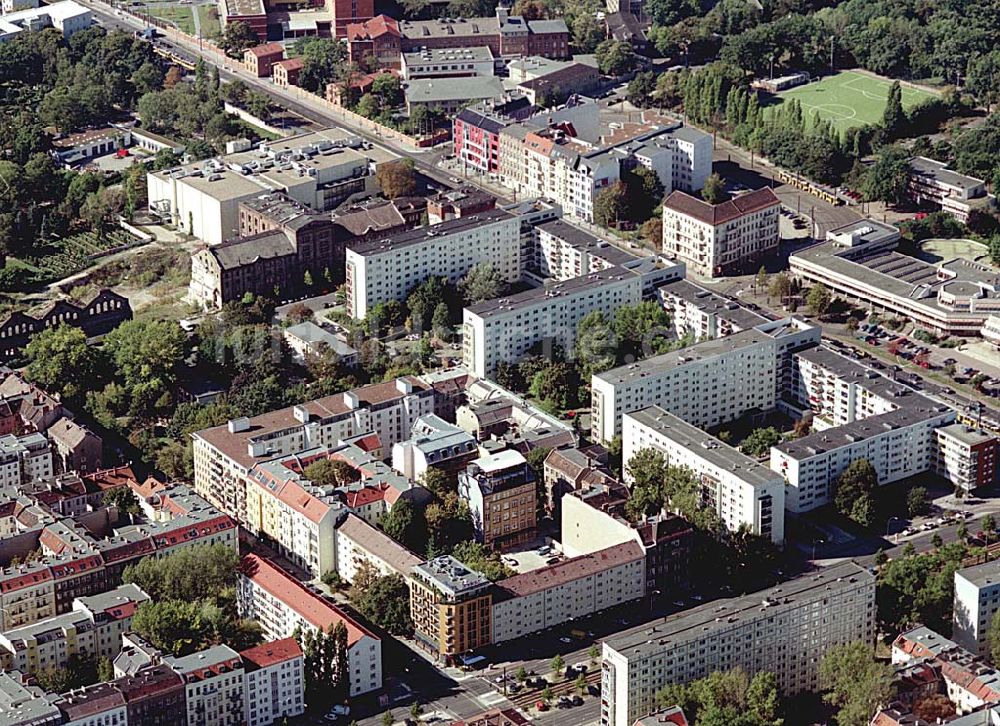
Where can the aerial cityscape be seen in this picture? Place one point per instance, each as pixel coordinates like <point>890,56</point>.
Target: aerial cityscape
<point>499,362</point>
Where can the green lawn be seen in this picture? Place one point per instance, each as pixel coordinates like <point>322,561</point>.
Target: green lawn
<point>850,98</point>
<point>208,16</point>
<point>941,250</point>
<point>180,16</point>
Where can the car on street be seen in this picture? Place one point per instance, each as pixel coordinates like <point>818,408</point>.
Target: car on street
<point>577,701</point>
<point>564,639</point>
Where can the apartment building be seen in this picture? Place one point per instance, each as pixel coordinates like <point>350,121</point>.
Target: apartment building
<point>274,682</point>
<point>714,240</point>
<point>93,628</point>
<point>970,682</point>
<point>388,268</point>
<point>282,604</point>
<point>224,455</point>
<point>437,444</point>
<point>706,384</point>
<point>977,599</point>
<point>567,590</point>
<point>859,262</point>
<point>451,607</point>
<point>700,313</point>
<point>898,444</point>
<point>100,704</point>
<point>319,170</point>
<point>359,543</point>
<point>500,490</point>
<point>260,59</point>
<point>592,518</point>
<point>505,329</point>
<point>378,38</point>
<point>742,491</point>
<point>504,34</point>
<point>966,456</point>
<point>24,458</point>
<point>785,630</point>
<point>213,685</point>
<point>931,182</point>
<point>22,704</point>
<point>154,696</point>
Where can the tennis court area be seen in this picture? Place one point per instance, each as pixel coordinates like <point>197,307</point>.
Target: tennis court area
<point>850,98</point>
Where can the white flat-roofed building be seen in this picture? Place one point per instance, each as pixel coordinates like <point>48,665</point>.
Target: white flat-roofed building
<point>977,599</point>
<point>568,590</point>
<point>742,491</point>
<point>859,263</point>
<point>448,63</point>
<point>25,458</point>
<point>785,630</point>
<point>389,268</point>
<point>721,239</point>
<point>932,182</point>
<point>967,457</point>
<point>319,169</point>
<point>273,682</point>
<point>706,384</point>
<point>282,604</point>
<point>504,329</point>
<point>451,95</point>
<point>702,313</point>
<point>11,6</point>
<point>898,444</point>
<point>434,443</point>
<point>67,17</point>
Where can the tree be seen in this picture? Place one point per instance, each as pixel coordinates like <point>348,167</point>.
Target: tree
<point>854,682</point>
<point>586,32</point>
<point>642,330</point>
<point>476,557</point>
<point>384,601</point>
<point>593,653</point>
<point>189,574</point>
<point>331,472</point>
<point>780,287</point>
<point>481,283</point>
<point>396,178</point>
<point>387,719</point>
<point>760,441</point>
<point>854,490</point>
<point>558,664</point>
<point>547,693</point>
<point>989,527</point>
<point>405,525</point>
<point>614,57</point>
<point>595,344</point>
<point>611,204</point>
<point>916,501</point>
<point>60,361</point>
<point>893,117</point>
<point>327,674</point>
<point>581,684</point>
<point>714,190</point>
<point>145,351</point>
<point>760,280</point>
<point>238,37</point>
<point>124,499</point>
<point>887,178</point>
<point>936,708</point>
<point>323,62</point>
<point>652,231</point>
<point>415,710</point>
<point>818,299</point>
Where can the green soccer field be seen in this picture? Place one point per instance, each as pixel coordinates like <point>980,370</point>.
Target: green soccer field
<point>850,98</point>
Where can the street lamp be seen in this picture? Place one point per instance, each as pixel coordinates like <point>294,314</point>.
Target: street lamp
<point>888,523</point>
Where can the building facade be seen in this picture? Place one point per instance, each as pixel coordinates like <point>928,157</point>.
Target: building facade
<point>500,490</point>
<point>451,607</point>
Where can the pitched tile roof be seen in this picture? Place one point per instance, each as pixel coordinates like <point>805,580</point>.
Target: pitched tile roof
<point>269,654</point>
<point>716,214</point>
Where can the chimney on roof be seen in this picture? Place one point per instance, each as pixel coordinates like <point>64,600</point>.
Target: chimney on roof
<point>404,386</point>
<point>351,399</point>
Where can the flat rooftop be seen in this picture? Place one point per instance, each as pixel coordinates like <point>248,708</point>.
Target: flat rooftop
<point>713,304</point>
<point>939,172</point>
<point>587,242</point>
<point>659,364</point>
<point>853,372</point>
<point>245,7</point>
<point>438,90</point>
<point>476,54</point>
<point>655,636</point>
<point>450,576</point>
<point>422,235</point>
<point>539,295</point>
<point>705,446</point>
<point>966,434</point>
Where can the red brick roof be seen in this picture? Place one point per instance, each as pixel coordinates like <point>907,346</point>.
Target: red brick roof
<point>310,607</point>
<point>572,569</point>
<point>267,49</point>
<point>368,495</point>
<point>269,654</point>
<point>716,214</point>
<point>370,29</point>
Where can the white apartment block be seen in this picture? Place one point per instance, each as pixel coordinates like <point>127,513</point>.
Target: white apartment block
<point>966,457</point>
<point>224,455</point>
<point>898,444</point>
<point>702,314</point>
<point>213,685</point>
<point>739,489</point>
<point>281,604</point>
<point>705,384</point>
<point>24,458</point>
<point>93,628</point>
<point>10,6</point>
<point>977,599</point>
<point>505,329</point>
<point>721,239</point>
<point>360,543</point>
<point>389,268</point>
<point>785,630</point>
<point>568,590</point>
<point>273,682</point>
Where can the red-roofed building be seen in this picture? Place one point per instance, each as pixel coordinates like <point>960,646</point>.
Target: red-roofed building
<point>286,73</point>
<point>260,59</point>
<point>213,685</point>
<point>154,696</point>
<point>274,682</point>
<point>379,38</point>
<point>721,239</point>
<point>673,716</point>
<point>280,603</point>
